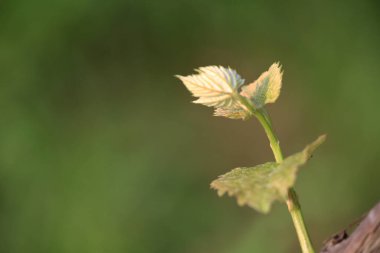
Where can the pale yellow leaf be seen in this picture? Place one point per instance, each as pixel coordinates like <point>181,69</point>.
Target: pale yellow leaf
<point>266,89</point>
<point>213,85</point>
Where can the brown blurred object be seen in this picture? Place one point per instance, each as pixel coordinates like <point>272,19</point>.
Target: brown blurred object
<point>364,239</point>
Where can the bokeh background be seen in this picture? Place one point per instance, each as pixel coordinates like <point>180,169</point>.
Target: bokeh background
<point>102,151</point>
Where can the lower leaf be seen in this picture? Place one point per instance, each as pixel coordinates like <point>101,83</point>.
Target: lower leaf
<point>259,186</point>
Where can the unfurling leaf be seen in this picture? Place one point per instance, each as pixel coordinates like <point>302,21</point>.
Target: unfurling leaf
<point>214,86</point>
<point>266,89</point>
<point>233,112</point>
<point>259,186</point>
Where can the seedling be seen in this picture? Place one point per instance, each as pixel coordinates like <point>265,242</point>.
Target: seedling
<point>258,186</point>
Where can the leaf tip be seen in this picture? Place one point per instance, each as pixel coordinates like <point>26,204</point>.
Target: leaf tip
<point>276,65</point>
<point>321,139</point>
<point>215,186</point>
<point>184,79</point>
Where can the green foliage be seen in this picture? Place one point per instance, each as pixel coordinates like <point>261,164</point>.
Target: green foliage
<point>94,130</point>
<point>259,186</point>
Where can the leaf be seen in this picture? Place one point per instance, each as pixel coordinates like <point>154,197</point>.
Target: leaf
<point>259,186</point>
<point>214,86</point>
<point>266,89</point>
<point>233,112</point>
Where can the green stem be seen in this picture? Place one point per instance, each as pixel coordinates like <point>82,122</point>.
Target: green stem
<point>292,201</point>
<point>263,118</point>
<point>296,213</point>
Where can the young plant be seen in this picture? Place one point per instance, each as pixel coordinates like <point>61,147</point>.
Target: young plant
<point>258,186</point>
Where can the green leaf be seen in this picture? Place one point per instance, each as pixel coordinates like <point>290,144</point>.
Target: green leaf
<point>214,86</point>
<point>266,89</point>
<point>259,186</point>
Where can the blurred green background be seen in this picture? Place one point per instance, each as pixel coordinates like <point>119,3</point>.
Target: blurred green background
<point>102,151</point>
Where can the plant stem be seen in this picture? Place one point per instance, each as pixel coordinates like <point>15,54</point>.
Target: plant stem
<point>294,206</point>
<point>296,213</point>
<point>292,201</point>
<point>264,119</point>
